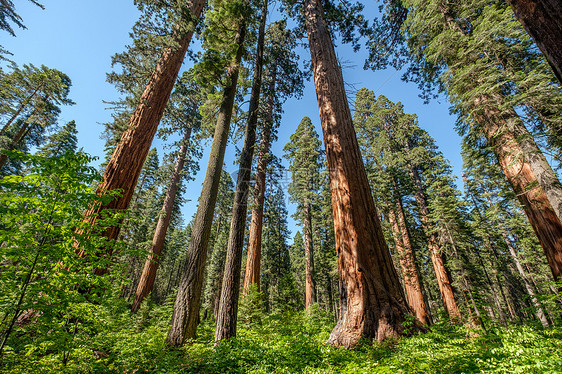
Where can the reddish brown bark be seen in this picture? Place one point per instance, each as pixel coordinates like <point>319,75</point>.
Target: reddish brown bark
<point>228,309</point>
<point>444,280</point>
<point>253,259</point>
<point>543,21</point>
<point>407,263</point>
<point>536,185</point>
<point>188,300</point>
<point>124,167</point>
<point>148,276</point>
<point>524,166</point>
<point>372,302</point>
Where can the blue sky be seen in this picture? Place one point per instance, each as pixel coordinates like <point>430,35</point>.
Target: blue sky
<point>78,37</point>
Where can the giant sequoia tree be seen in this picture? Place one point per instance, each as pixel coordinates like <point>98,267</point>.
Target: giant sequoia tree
<point>123,169</point>
<point>482,84</point>
<point>383,129</point>
<point>543,21</point>
<point>371,299</point>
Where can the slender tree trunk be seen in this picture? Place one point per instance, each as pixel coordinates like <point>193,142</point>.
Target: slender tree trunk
<point>407,263</point>
<point>310,284</point>
<point>444,280</point>
<point>22,132</point>
<point>148,276</point>
<point>228,310</point>
<point>253,260</point>
<point>19,110</point>
<point>528,173</point>
<point>127,160</point>
<point>543,21</point>
<point>538,309</point>
<point>188,299</point>
<point>372,302</point>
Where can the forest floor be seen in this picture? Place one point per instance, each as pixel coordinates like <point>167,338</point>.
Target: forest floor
<point>293,343</point>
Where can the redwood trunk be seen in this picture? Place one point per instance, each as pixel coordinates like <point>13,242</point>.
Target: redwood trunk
<point>528,173</point>
<point>543,21</point>
<point>124,167</point>
<point>188,300</point>
<point>372,302</point>
<point>444,280</point>
<point>407,263</point>
<point>253,259</point>
<point>228,309</point>
<point>148,276</point>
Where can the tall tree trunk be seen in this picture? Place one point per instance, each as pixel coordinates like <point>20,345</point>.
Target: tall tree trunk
<point>543,21</point>
<point>148,276</point>
<point>534,182</point>
<point>310,285</point>
<point>253,259</point>
<point>444,280</point>
<point>188,299</point>
<point>228,310</point>
<point>538,309</point>
<point>407,263</point>
<point>373,304</point>
<point>528,173</point>
<point>124,167</point>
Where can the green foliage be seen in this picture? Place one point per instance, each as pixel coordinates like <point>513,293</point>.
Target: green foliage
<point>48,290</point>
<point>294,343</point>
<point>250,310</point>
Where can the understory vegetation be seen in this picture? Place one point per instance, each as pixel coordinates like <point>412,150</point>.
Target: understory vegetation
<point>289,342</point>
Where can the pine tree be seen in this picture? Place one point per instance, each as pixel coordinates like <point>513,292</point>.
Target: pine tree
<point>304,154</point>
<point>31,98</point>
<point>64,140</point>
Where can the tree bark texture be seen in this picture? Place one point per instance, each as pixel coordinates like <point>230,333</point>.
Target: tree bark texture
<point>372,302</point>
<point>148,276</point>
<point>228,309</point>
<point>253,258</point>
<point>444,280</point>
<point>188,300</point>
<point>543,21</point>
<point>407,263</point>
<point>127,160</point>
<point>528,172</point>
